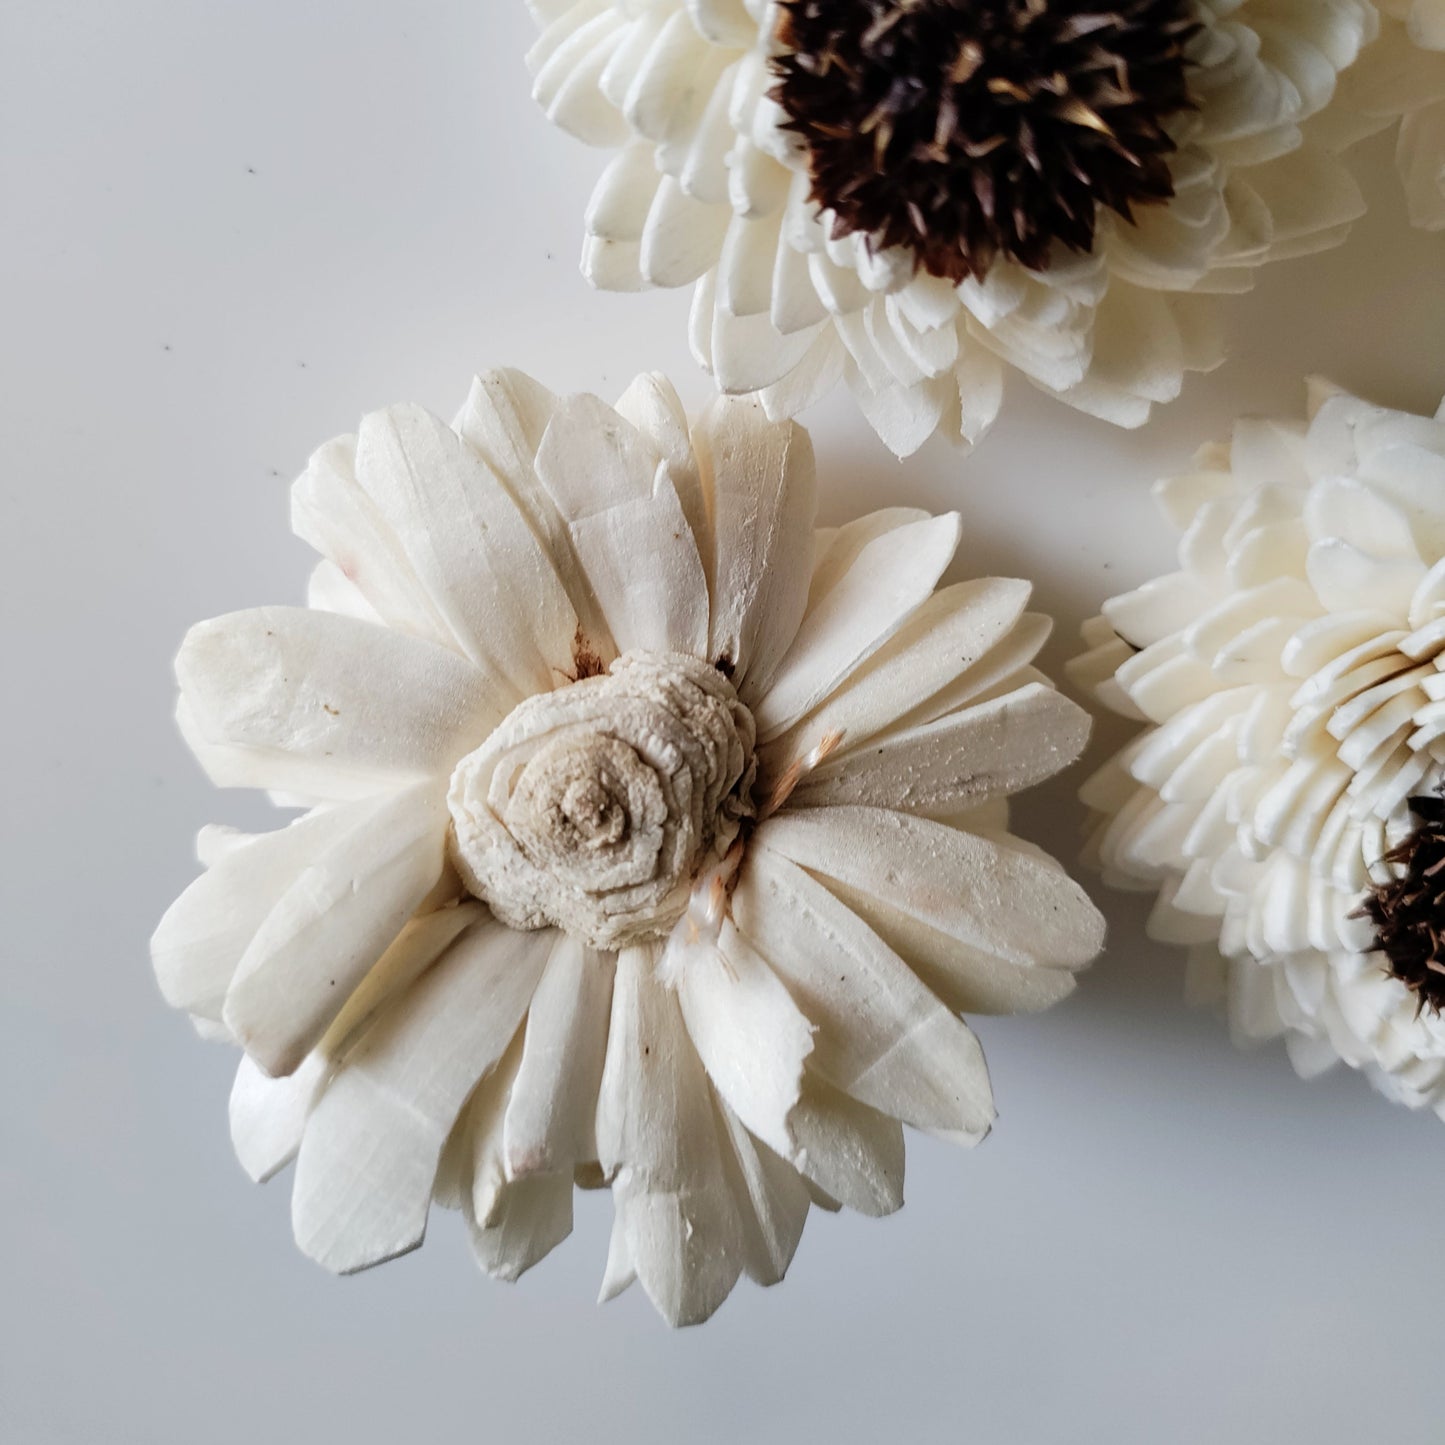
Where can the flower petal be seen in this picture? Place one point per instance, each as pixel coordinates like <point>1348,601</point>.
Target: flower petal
<point>763,501</point>
<point>485,570</point>
<point>652,405</point>
<point>627,528</point>
<point>330,510</point>
<point>1003,668</point>
<point>773,1202</point>
<point>529,1219</point>
<point>677,1226</point>
<point>991,750</point>
<point>335,921</point>
<point>504,419</point>
<point>329,589</point>
<point>983,923</point>
<point>746,1029</point>
<point>852,1153</point>
<point>204,933</point>
<point>268,1116</point>
<point>893,574</point>
<point>369,1158</point>
<point>954,628</point>
<point>882,1036</point>
<point>838,547</point>
<point>323,704</point>
<point>550,1121</point>
<point>513,1224</point>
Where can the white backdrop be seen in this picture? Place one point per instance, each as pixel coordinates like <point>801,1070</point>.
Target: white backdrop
<point>229,228</point>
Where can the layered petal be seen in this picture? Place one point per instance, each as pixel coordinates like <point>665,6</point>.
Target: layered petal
<point>678,1228</point>
<point>883,1038</point>
<point>374,1140</point>
<point>324,705</point>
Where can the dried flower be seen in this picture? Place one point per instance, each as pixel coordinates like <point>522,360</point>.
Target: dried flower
<point>1282,796</point>
<point>914,197</point>
<point>655,840</point>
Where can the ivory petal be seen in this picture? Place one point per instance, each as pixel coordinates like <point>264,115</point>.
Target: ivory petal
<point>550,1124</point>
<point>677,1224</point>
<point>367,1163</point>
<point>882,1036</point>
<point>993,749</point>
<point>627,528</point>
<point>484,568</point>
<point>773,1203</point>
<point>893,574</point>
<point>748,1032</point>
<point>762,493</point>
<point>345,697</point>
<point>323,936</point>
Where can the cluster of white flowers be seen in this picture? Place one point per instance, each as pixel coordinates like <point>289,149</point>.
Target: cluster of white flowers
<point>654,839</point>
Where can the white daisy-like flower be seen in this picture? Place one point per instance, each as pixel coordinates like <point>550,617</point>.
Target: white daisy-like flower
<point>1401,77</point>
<point>1284,796</point>
<point>914,198</point>
<point>654,840</point>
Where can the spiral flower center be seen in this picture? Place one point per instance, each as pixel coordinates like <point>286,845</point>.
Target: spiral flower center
<point>595,807</point>
<point>969,130</point>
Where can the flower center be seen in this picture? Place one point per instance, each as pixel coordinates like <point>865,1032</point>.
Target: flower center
<point>594,816</point>
<point>1409,911</point>
<point>969,130</point>
<point>594,808</point>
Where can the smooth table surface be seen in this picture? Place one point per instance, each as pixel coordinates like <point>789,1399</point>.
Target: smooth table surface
<point>229,229</point>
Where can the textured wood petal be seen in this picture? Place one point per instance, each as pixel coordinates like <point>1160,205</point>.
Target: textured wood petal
<point>991,750</point>
<point>677,1226</point>
<point>368,1161</point>
<point>748,1032</point>
<point>335,921</point>
<point>339,706</point>
<point>882,1036</point>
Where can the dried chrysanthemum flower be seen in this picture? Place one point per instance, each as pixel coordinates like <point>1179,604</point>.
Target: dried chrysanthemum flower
<point>655,841</point>
<point>1283,796</point>
<point>1401,77</point>
<point>915,197</point>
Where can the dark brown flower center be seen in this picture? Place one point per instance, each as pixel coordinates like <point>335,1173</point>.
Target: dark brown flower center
<point>967,130</point>
<point>1409,912</point>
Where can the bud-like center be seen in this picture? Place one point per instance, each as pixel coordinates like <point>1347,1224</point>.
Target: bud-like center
<point>594,808</point>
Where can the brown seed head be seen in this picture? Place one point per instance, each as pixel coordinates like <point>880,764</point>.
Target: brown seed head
<point>966,130</point>
<point>1409,912</point>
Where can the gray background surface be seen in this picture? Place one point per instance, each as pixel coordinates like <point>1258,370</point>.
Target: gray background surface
<point>228,229</point>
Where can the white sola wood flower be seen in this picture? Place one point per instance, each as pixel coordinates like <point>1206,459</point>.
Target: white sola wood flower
<point>1284,796</point>
<point>1402,77</point>
<point>653,840</point>
<point>914,198</point>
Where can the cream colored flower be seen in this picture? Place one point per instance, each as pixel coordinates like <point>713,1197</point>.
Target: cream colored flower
<point>915,199</point>
<point>1402,77</point>
<point>1283,796</point>
<point>654,840</point>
